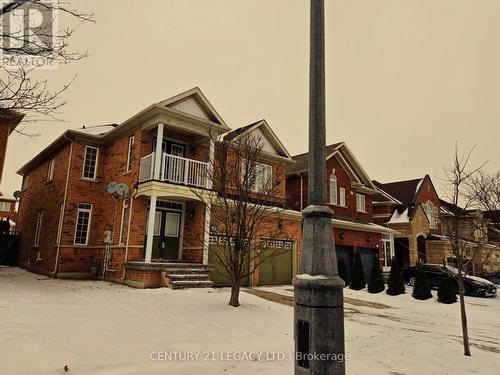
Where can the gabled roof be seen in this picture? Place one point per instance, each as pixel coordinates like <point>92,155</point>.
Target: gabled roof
<point>271,142</point>
<point>199,99</point>
<point>345,157</point>
<point>384,197</point>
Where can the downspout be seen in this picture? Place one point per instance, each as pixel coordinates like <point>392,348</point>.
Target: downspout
<point>61,224</point>
<point>301,192</point>
<point>131,210</point>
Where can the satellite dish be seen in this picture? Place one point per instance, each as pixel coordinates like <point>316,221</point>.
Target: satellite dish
<point>17,194</point>
<point>121,189</point>
<point>111,187</point>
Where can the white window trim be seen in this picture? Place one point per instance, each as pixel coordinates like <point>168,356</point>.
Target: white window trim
<point>125,205</point>
<point>38,229</point>
<point>50,169</point>
<point>5,206</point>
<point>131,143</point>
<point>358,201</point>
<point>96,163</point>
<point>333,192</point>
<point>342,197</point>
<point>89,210</point>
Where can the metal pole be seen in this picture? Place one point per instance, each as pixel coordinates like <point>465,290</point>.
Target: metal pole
<point>318,290</point>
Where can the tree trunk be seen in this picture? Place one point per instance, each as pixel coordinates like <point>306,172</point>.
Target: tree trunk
<point>463,315</point>
<point>235,295</point>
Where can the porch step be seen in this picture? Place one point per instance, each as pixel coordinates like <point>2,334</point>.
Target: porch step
<point>188,275</point>
<point>182,284</point>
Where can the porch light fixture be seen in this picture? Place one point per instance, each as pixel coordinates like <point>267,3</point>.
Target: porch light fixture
<point>342,236</point>
<point>369,238</point>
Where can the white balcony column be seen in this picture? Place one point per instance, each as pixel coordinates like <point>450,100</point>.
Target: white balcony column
<point>158,152</point>
<point>206,233</point>
<point>211,165</point>
<point>150,230</point>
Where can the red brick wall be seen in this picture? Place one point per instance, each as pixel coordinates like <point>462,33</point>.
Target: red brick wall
<point>426,193</point>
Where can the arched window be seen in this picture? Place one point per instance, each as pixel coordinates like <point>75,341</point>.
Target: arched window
<point>333,189</point>
<point>432,214</point>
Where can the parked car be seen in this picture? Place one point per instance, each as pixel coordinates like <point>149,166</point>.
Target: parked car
<point>494,277</point>
<point>474,286</point>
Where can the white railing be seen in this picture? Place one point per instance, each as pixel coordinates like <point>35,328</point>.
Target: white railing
<point>177,170</point>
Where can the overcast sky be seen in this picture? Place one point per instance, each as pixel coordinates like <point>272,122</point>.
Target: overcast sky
<point>405,79</point>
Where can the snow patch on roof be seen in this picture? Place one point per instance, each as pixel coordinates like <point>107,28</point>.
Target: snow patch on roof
<point>418,186</point>
<point>97,129</point>
<point>399,217</point>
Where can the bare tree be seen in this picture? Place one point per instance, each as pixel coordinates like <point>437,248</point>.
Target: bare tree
<point>245,206</point>
<point>464,227</point>
<point>484,191</point>
<point>19,90</point>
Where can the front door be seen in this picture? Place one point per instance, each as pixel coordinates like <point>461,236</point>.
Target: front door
<point>167,234</point>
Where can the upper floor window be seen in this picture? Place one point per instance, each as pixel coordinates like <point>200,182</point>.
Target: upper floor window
<point>130,153</point>
<point>38,228</point>
<point>333,189</point>
<point>83,224</point>
<point>50,169</point>
<point>25,182</point>
<point>259,177</point>
<point>432,214</point>
<point>360,203</point>
<point>5,206</point>
<point>342,197</point>
<point>90,162</point>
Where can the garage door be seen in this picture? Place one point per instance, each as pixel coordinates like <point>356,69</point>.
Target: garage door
<point>278,268</point>
<point>219,274</point>
<point>367,256</point>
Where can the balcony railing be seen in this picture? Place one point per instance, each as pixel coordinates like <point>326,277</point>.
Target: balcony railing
<point>176,170</point>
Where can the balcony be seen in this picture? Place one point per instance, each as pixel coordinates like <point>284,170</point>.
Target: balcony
<point>176,170</point>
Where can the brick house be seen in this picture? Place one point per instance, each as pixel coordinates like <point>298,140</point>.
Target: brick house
<point>350,192</point>
<point>67,213</point>
<point>412,208</point>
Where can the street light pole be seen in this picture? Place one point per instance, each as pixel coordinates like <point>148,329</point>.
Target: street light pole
<point>318,290</point>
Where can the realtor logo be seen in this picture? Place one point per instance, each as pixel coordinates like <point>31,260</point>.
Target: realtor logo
<point>28,34</point>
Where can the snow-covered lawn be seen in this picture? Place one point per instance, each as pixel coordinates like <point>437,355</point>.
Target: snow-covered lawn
<point>97,328</point>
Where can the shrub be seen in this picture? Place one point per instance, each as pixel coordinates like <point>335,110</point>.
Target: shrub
<point>421,290</point>
<point>357,276</point>
<point>343,270</point>
<point>446,292</point>
<point>395,284</point>
<point>376,283</point>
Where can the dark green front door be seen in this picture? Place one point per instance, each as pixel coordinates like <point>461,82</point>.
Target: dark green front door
<point>167,233</point>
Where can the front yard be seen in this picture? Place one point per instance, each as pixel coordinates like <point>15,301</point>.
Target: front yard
<point>97,327</point>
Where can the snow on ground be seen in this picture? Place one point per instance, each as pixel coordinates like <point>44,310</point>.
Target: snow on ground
<point>99,328</point>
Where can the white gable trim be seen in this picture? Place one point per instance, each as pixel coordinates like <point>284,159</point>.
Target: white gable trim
<point>355,164</point>
<point>201,99</point>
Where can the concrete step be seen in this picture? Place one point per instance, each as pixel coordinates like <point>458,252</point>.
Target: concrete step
<point>191,284</point>
<point>186,271</point>
<point>198,276</point>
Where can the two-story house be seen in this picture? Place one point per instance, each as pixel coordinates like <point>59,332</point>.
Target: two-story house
<point>122,201</point>
<point>350,192</point>
<point>412,208</point>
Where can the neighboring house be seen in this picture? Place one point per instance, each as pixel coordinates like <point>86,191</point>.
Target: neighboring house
<point>412,208</point>
<point>66,214</point>
<point>475,228</point>
<point>8,123</point>
<point>349,193</point>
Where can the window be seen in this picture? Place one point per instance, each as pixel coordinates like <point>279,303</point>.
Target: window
<point>90,163</point>
<point>130,153</point>
<point>333,189</point>
<point>360,203</point>
<point>38,228</point>
<point>125,216</point>
<point>432,214</point>
<point>83,224</point>
<point>342,197</point>
<point>172,221</point>
<point>5,206</point>
<point>157,226</point>
<point>262,178</point>
<point>50,170</point>
<point>25,183</point>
